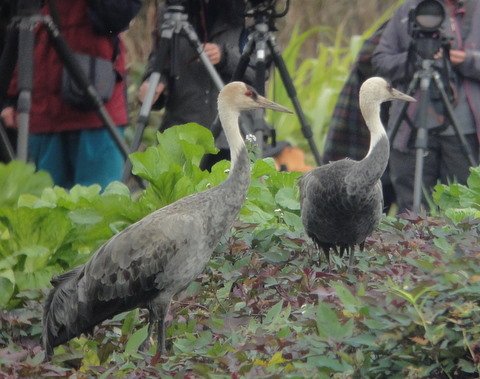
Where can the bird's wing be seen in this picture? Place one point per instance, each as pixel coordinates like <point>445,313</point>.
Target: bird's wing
<point>131,262</point>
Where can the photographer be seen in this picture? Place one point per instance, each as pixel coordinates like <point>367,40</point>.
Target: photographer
<point>395,60</point>
<point>190,95</point>
<point>66,139</point>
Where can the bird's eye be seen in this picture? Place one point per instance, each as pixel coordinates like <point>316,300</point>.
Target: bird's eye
<point>249,93</point>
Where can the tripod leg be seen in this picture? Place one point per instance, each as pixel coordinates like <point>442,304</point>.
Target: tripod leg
<point>292,93</point>
<point>6,148</point>
<point>244,60</point>
<point>194,41</point>
<point>260,37</point>
<point>159,63</point>
<point>421,142</point>
<point>82,81</point>
<point>401,115</point>
<point>448,106</point>
<point>25,84</point>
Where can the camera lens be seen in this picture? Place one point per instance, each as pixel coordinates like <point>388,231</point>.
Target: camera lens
<point>429,14</point>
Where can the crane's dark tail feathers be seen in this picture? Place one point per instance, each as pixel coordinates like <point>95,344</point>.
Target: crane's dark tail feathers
<point>60,313</point>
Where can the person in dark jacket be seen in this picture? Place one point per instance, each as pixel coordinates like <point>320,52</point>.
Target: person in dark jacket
<point>446,159</point>
<point>70,143</point>
<point>191,95</point>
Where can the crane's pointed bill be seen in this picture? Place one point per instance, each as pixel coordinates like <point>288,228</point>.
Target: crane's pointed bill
<point>397,95</point>
<point>265,103</point>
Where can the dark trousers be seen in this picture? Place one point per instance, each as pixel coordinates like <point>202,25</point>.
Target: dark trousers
<point>445,161</point>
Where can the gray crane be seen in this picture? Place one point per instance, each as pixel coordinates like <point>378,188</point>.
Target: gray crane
<point>157,257</point>
<point>342,201</point>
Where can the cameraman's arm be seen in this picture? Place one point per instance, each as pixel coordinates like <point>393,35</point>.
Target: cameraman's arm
<point>8,116</point>
<point>390,56</point>
<point>229,44</point>
<point>466,62</point>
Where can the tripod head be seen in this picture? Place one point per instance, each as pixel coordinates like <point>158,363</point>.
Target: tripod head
<point>424,25</point>
<point>266,11</point>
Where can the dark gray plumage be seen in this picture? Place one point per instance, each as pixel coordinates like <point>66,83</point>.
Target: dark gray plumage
<point>149,262</point>
<point>342,202</point>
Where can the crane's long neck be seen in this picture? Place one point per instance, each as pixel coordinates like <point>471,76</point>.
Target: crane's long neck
<point>229,120</point>
<point>370,169</point>
<point>239,177</point>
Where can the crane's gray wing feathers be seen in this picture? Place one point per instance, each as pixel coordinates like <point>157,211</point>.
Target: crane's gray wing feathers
<point>331,214</point>
<point>134,261</point>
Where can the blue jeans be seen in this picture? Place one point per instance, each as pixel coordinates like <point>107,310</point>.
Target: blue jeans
<point>83,157</point>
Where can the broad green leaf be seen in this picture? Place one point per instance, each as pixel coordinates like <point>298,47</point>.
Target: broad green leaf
<point>7,286</point>
<point>329,326</point>
<point>287,198</point>
<point>135,340</point>
<point>350,302</point>
<point>273,313</point>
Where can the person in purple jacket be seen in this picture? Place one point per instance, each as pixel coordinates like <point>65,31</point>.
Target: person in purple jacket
<point>445,159</point>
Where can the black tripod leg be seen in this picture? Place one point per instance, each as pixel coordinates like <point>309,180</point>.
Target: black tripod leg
<point>292,93</point>
<point>238,75</point>
<point>448,106</point>
<point>392,132</point>
<point>421,141</point>
<point>243,61</point>
<point>82,81</point>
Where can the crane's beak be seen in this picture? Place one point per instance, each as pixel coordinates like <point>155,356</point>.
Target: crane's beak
<point>397,95</point>
<point>265,103</point>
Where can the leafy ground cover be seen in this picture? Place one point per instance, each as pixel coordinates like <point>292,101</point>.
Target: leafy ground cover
<point>266,306</point>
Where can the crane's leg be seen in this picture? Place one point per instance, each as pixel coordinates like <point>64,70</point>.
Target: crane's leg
<point>151,323</point>
<point>160,310</point>
<point>326,251</point>
<point>351,250</point>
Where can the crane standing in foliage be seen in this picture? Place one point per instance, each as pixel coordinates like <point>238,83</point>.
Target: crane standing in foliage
<point>149,262</point>
<point>342,201</point>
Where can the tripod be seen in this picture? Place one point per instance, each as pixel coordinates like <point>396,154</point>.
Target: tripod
<point>422,80</point>
<point>7,152</point>
<point>175,22</point>
<point>21,32</point>
<point>259,40</point>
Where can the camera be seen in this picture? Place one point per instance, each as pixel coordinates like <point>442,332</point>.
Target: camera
<point>267,7</point>
<point>425,22</point>
<point>176,2</point>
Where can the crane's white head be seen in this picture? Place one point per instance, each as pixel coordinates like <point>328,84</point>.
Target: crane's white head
<point>238,96</point>
<point>378,90</point>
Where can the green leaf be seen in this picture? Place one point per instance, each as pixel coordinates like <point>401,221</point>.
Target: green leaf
<point>7,286</point>
<point>129,322</point>
<point>135,340</point>
<point>286,197</point>
<point>224,292</point>
<point>18,178</point>
<point>329,326</point>
<point>273,313</point>
<point>349,301</point>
